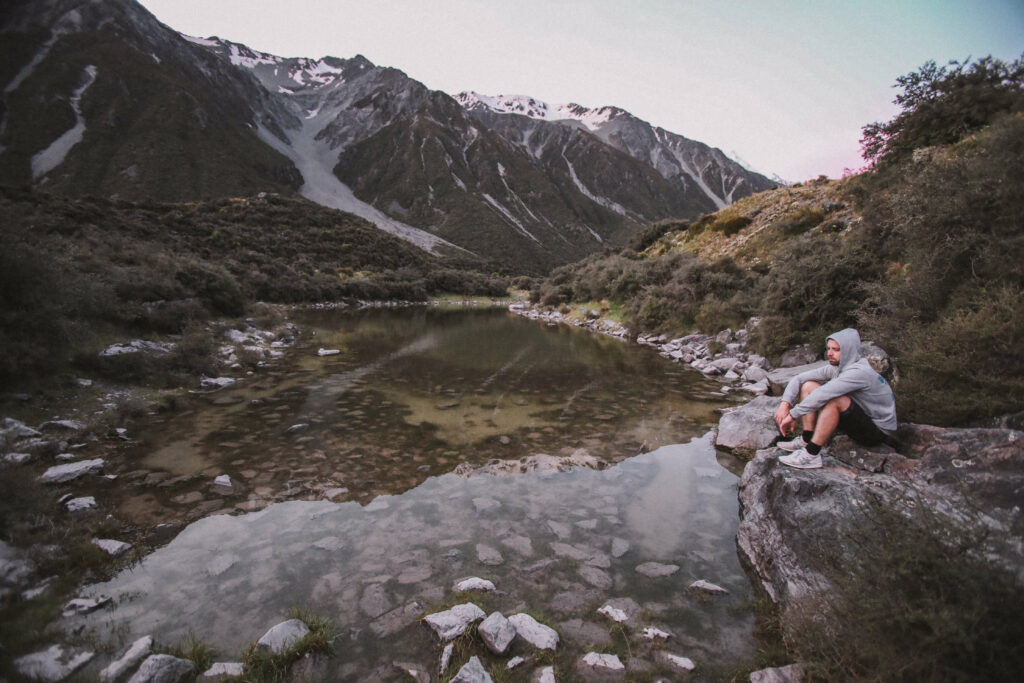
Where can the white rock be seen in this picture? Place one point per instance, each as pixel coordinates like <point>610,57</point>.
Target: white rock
<point>794,673</point>
<point>282,636</point>
<point>496,632</point>
<point>681,663</point>
<point>223,670</point>
<point>297,427</point>
<point>473,583</point>
<point>535,633</point>
<point>52,664</point>
<point>703,585</point>
<point>328,352</point>
<point>17,458</point>
<point>14,429</point>
<point>601,661</point>
<point>331,494</point>
<point>81,504</point>
<point>137,345</point>
<point>223,480</point>
<point>446,657</point>
<point>514,662</point>
<point>112,547</point>
<point>59,474</point>
<point>620,547</point>
<point>215,382</point>
<point>164,669</point>
<point>472,672</point>
<point>452,623</point>
<point>546,675</point>
<point>613,613</point>
<point>656,569</point>
<point>135,653</point>
<point>650,633</point>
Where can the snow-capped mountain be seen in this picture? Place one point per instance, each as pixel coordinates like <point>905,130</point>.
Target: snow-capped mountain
<point>100,98</point>
<point>697,170</point>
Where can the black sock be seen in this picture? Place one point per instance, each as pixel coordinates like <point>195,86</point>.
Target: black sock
<point>813,448</point>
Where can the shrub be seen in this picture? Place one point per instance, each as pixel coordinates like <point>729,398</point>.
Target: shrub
<point>800,221</point>
<point>730,225</point>
<point>913,598</point>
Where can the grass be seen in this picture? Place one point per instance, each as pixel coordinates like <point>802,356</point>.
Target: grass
<point>264,667</point>
<point>913,598</point>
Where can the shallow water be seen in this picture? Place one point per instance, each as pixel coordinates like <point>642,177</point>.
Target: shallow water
<point>413,396</point>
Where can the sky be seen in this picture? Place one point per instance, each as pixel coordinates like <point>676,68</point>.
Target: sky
<point>782,86</point>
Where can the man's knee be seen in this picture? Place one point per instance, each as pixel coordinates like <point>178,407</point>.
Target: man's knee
<point>807,387</point>
<point>840,403</point>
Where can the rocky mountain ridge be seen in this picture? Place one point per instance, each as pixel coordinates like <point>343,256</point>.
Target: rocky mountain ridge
<point>101,98</point>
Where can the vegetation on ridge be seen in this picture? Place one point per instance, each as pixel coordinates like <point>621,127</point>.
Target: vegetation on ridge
<point>924,253</point>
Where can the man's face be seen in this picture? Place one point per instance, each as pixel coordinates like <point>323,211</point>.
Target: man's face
<point>833,351</point>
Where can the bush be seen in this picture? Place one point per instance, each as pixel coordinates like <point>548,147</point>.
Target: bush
<point>800,221</point>
<point>913,598</point>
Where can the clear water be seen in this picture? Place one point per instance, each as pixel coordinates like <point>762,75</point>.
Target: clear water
<point>409,418</point>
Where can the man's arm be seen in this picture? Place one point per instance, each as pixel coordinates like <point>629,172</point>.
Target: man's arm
<point>784,419</point>
<point>841,385</point>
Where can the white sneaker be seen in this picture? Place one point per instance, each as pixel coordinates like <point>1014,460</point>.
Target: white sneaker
<point>794,445</point>
<point>801,459</point>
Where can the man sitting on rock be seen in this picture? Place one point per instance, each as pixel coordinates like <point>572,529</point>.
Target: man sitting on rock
<point>847,394</point>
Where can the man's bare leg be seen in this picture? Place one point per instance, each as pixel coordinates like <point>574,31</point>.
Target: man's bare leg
<point>808,421</point>
<point>828,419</point>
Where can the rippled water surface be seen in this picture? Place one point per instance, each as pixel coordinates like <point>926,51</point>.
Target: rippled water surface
<point>418,429</point>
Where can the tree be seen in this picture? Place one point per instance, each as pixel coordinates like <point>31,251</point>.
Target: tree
<point>943,104</point>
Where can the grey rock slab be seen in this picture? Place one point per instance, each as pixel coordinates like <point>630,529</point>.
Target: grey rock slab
<point>535,633</point>
<point>544,675</point>
<point>119,669</point>
<point>597,578</point>
<point>452,623</point>
<point>484,504</point>
<point>397,619</point>
<point>164,669</point>
<point>375,601</point>
<point>654,633</point>
<point>472,672</point>
<point>415,574</point>
<point>81,504</point>
<point>489,555</point>
<point>657,570</point>
<point>613,613</point>
<point>51,664</point>
<point>84,605</point>
<point>446,658</point>
<point>522,545</point>
<point>282,636</point>
<point>560,529</point>
<point>620,547</point>
<point>497,632</point>
<point>749,427</point>
<point>780,377</point>
<point>59,474</point>
<point>15,569</point>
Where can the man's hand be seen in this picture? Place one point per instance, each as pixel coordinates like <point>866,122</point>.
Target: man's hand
<point>784,420</point>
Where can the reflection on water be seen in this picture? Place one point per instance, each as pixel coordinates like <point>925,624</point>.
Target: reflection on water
<point>412,394</point>
<point>557,545</point>
<point>379,428</point>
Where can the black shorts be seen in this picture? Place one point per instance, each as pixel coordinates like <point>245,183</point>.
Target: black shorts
<point>861,428</point>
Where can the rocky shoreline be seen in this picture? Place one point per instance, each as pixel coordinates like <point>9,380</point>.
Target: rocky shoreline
<point>971,478</point>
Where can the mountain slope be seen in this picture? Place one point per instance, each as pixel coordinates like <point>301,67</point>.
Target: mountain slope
<point>100,98</point>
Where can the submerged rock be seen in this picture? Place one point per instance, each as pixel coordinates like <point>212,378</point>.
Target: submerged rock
<point>164,669</point>
<point>136,652</point>
<point>52,664</point>
<point>657,570</point>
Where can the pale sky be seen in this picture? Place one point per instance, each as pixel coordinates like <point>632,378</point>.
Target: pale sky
<point>783,86</point>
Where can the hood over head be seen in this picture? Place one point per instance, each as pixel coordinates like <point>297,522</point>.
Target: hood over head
<point>849,346</point>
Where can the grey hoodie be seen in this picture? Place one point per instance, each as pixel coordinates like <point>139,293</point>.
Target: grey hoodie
<point>854,377</point>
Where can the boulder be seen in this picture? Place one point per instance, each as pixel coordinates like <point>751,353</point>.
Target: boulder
<point>164,669</point>
<point>535,633</point>
<point>12,430</point>
<point>282,636</point>
<point>497,632</point>
<point>603,662</point>
<point>452,623</point>
<point>111,546</point>
<point>749,427</point>
<point>16,569</point>
<point>970,477</point>
<point>473,583</point>
<point>222,671</point>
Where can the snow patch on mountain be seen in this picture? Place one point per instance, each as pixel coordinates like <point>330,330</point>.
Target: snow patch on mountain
<point>533,108</point>
<point>607,203</point>
<point>52,156</point>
